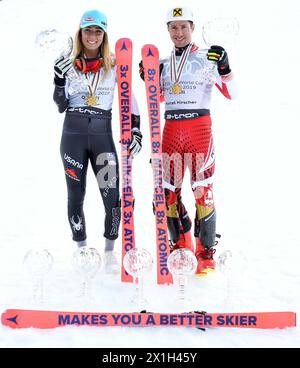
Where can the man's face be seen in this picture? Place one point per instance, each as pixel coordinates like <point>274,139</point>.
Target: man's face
<point>181,32</point>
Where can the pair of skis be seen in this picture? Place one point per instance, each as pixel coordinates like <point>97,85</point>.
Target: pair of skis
<point>18,318</point>
<point>150,59</point>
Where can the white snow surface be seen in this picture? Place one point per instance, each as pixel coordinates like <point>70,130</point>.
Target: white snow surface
<point>256,188</point>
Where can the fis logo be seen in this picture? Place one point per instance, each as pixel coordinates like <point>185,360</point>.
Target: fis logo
<point>72,174</point>
<point>177,12</point>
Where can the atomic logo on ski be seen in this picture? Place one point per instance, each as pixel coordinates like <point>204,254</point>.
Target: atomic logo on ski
<point>124,47</point>
<point>150,53</point>
<point>13,319</point>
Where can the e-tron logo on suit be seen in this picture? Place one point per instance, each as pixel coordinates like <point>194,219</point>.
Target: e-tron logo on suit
<point>73,162</point>
<point>189,115</point>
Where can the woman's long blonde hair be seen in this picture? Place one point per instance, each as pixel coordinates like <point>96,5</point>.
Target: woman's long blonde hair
<point>106,55</point>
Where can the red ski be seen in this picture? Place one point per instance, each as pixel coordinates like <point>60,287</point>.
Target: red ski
<point>150,58</point>
<point>18,318</point>
<point>124,76</point>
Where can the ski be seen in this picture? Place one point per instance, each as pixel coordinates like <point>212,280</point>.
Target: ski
<point>150,59</point>
<point>20,318</point>
<point>124,76</point>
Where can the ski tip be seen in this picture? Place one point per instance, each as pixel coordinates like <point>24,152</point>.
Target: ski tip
<point>123,44</point>
<point>149,45</point>
<point>149,50</point>
<point>124,39</point>
<point>3,317</point>
<point>9,318</point>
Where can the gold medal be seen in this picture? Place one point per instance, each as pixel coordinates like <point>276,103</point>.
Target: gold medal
<point>177,89</point>
<point>91,100</point>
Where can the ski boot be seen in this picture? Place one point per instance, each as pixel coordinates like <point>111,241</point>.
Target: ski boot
<point>184,241</point>
<point>81,244</point>
<point>205,258</point>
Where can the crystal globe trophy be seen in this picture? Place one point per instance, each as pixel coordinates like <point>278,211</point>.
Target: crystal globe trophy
<point>54,44</point>
<point>38,263</point>
<point>181,263</point>
<point>219,31</point>
<point>232,264</point>
<point>87,263</point>
<point>137,263</point>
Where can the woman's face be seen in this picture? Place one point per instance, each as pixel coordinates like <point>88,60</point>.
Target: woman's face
<point>92,38</point>
<point>181,32</point>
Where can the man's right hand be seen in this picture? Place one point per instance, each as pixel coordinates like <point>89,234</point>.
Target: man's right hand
<point>142,70</point>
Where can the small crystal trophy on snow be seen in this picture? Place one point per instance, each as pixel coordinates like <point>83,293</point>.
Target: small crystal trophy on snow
<point>232,264</point>
<point>87,262</point>
<point>181,263</point>
<point>137,263</point>
<point>38,263</point>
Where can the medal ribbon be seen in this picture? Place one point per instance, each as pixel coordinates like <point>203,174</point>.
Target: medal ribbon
<point>91,85</point>
<point>177,71</point>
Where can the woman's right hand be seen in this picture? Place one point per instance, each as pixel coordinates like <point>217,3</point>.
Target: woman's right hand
<point>61,67</point>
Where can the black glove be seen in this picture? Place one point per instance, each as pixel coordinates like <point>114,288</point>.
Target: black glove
<point>142,70</point>
<point>61,67</point>
<point>136,141</point>
<point>218,54</point>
